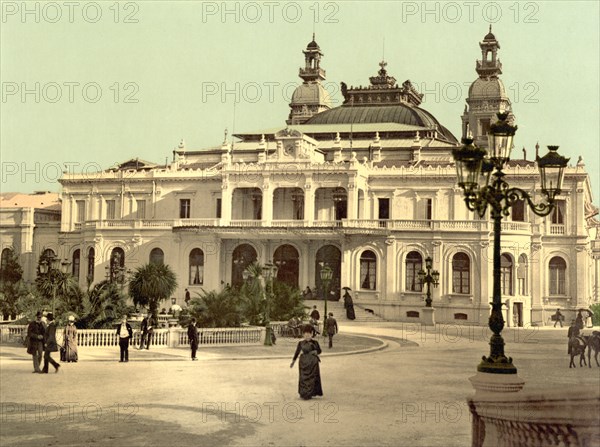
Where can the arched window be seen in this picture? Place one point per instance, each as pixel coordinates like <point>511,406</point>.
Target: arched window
<point>157,256</point>
<point>368,270</point>
<point>461,274</point>
<point>556,276</point>
<point>414,263</point>
<point>5,257</point>
<point>76,263</point>
<point>91,263</point>
<point>117,265</point>
<point>522,274</point>
<point>196,267</point>
<point>506,274</point>
<point>49,253</point>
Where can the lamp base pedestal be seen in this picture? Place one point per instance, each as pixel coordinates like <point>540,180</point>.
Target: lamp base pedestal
<point>428,318</point>
<point>487,383</point>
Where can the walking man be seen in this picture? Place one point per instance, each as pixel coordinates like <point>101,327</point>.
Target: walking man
<point>125,332</point>
<point>332,328</point>
<point>558,318</point>
<point>193,337</point>
<point>50,344</point>
<point>147,331</point>
<point>315,315</point>
<point>35,341</point>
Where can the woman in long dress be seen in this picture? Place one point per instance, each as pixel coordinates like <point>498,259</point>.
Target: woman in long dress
<point>309,383</point>
<point>349,305</point>
<point>70,340</point>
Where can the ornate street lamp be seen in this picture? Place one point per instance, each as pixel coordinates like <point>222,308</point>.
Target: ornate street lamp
<point>429,277</point>
<point>326,276</point>
<point>480,176</point>
<point>269,272</point>
<point>49,265</point>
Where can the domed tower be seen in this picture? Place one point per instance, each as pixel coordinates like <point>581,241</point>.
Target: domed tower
<point>487,95</point>
<point>310,97</point>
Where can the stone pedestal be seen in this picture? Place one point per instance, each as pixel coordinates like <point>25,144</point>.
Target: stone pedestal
<point>428,317</point>
<point>490,384</point>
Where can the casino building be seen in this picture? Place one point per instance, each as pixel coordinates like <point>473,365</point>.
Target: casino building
<point>368,187</point>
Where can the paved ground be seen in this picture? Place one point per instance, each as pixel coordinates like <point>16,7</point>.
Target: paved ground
<point>408,394</point>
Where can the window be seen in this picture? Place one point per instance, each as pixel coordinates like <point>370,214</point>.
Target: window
<point>461,273</point>
<point>76,263</point>
<point>557,273</point>
<point>157,256</point>
<point>117,265</point>
<point>428,209</point>
<point>80,211</point>
<point>196,267</point>
<point>219,208</point>
<point>522,273</point>
<point>414,263</point>
<point>141,209</point>
<point>558,214</point>
<point>506,274</point>
<point>184,208</point>
<point>91,262</point>
<point>384,208</point>
<point>485,126</point>
<point>110,209</point>
<point>368,270</point>
<point>5,257</point>
<point>518,211</point>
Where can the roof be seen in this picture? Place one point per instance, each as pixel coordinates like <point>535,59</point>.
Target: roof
<point>397,113</point>
<point>39,200</point>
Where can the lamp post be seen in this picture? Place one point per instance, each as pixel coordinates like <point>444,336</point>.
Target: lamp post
<point>269,271</point>
<point>50,266</point>
<point>429,277</point>
<point>326,275</point>
<point>482,180</point>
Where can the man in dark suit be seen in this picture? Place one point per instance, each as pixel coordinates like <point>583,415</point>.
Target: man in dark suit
<point>35,341</point>
<point>315,315</point>
<point>193,337</point>
<point>124,332</point>
<point>50,344</point>
<point>147,328</point>
<point>332,328</point>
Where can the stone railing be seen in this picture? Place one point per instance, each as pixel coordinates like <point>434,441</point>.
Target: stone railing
<point>566,417</point>
<point>172,337</point>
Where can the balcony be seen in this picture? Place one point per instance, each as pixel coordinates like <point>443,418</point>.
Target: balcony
<point>557,229</point>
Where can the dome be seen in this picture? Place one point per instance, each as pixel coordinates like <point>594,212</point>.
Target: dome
<point>487,88</point>
<point>489,36</point>
<point>397,113</point>
<point>313,46</point>
<point>311,93</point>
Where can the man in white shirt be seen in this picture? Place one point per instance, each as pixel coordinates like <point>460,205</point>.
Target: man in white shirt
<point>125,332</point>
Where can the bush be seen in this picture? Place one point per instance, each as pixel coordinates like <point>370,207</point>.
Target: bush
<point>595,308</point>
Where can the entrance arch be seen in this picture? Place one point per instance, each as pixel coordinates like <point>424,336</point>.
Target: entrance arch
<point>242,257</point>
<point>286,257</point>
<point>332,256</point>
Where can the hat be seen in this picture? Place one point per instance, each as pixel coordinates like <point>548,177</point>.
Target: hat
<point>38,313</point>
<point>50,316</point>
<point>71,318</point>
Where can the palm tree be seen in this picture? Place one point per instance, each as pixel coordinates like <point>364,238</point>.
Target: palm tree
<point>103,305</point>
<point>151,284</point>
<point>216,309</point>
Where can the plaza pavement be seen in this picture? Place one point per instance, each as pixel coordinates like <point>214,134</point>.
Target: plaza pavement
<point>411,393</point>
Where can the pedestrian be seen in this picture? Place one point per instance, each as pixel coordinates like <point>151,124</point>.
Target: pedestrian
<point>315,315</point>
<point>349,306</point>
<point>558,318</point>
<point>35,341</point>
<point>193,337</point>
<point>332,328</point>
<point>309,382</point>
<point>573,332</point>
<point>579,320</point>
<point>307,293</point>
<point>50,344</point>
<point>125,333</point>
<point>70,343</point>
<point>187,297</point>
<point>147,328</point>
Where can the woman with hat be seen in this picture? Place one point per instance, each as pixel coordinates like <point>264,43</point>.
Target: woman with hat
<point>309,383</point>
<point>70,336</point>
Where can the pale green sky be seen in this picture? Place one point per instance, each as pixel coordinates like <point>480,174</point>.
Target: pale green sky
<point>173,54</point>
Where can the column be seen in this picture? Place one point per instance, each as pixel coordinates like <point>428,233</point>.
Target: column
<point>226,198</point>
<point>535,285</point>
<point>352,201</point>
<point>389,291</point>
<point>309,203</point>
<point>267,203</point>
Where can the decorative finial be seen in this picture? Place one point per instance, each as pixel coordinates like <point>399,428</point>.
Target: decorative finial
<point>524,153</point>
<point>225,137</point>
<point>537,150</point>
<point>490,27</point>
<point>181,144</point>
<point>313,36</point>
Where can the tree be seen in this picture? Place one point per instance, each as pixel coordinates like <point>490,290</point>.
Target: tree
<point>11,284</point>
<point>103,306</point>
<point>216,309</point>
<point>151,284</point>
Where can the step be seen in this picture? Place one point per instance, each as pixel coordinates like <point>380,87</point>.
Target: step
<point>339,312</point>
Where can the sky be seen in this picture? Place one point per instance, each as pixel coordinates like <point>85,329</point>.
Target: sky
<point>86,85</point>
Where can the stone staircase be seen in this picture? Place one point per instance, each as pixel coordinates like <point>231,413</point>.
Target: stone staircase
<point>337,307</point>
